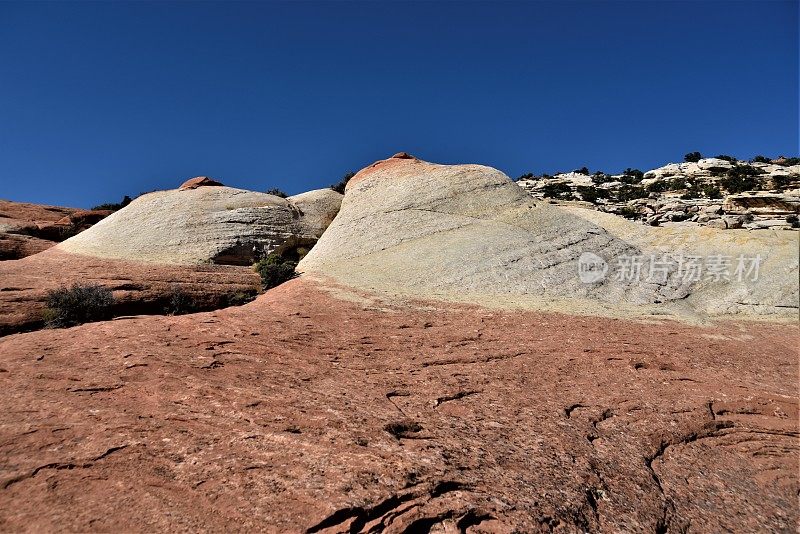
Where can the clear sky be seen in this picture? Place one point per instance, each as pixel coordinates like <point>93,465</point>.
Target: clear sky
<point>99,100</point>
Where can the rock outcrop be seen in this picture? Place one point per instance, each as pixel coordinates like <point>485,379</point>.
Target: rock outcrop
<point>467,233</point>
<point>199,181</point>
<point>198,242</point>
<point>683,193</point>
<point>220,225</point>
<point>27,229</point>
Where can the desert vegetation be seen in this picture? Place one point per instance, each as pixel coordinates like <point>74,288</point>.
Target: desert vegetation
<point>114,206</point>
<point>274,270</point>
<point>78,304</point>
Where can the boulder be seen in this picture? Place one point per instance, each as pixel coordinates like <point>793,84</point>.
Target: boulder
<point>733,221</point>
<point>28,229</point>
<point>714,164</point>
<point>198,181</point>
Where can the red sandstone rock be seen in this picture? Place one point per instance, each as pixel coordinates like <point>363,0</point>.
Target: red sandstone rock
<point>304,413</point>
<point>199,181</point>
<point>27,229</point>
<point>138,287</point>
<point>401,158</point>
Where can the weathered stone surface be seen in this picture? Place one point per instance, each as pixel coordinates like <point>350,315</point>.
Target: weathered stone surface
<point>27,229</point>
<point>318,207</point>
<point>762,203</point>
<point>199,181</point>
<point>138,287</point>
<point>205,225</point>
<point>302,412</point>
<point>467,233</point>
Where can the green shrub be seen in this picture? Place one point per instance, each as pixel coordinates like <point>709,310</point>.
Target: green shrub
<point>657,187</point>
<point>636,174</point>
<point>693,157</point>
<point>711,191</point>
<point>339,187</point>
<point>781,182</point>
<point>793,220</point>
<point>592,194</point>
<point>558,190</point>
<point>762,159</point>
<point>77,305</point>
<point>114,207</point>
<point>677,183</point>
<point>602,178</point>
<point>275,270</point>
<point>582,170</point>
<point>730,159</point>
<point>631,192</point>
<point>180,302</point>
<point>277,192</point>
<point>741,178</point>
<point>240,298</point>
<point>528,176</point>
<point>790,161</point>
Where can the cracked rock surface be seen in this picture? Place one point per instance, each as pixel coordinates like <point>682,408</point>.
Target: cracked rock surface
<point>320,409</point>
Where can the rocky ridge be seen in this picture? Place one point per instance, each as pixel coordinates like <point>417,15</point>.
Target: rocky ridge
<point>764,195</point>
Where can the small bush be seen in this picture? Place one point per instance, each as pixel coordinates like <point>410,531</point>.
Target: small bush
<point>692,157</point>
<point>277,192</point>
<point>558,190</point>
<point>275,270</point>
<point>339,187</point>
<point>677,183</point>
<point>658,187</point>
<point>794,220</point>
<point>781,182</point>
<point>180,303</point>
<point>712,191</point>
<point>528,176</point>
<point>627,193</point>
<point>730,159</point>
<point>602,178</point>
<point>762,159</point>
<point>592,194</point>
<point>240,298</point>
<point>582,170</point>
<point>77,305</point>
<point>790,161</point>
<point>636,174</point>
<point>114,207</point>
<point>741,178</point>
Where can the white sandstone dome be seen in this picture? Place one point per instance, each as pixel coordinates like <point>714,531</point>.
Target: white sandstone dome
<point>204,224</point>
<point>468,233</point>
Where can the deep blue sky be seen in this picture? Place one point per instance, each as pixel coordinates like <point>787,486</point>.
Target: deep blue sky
<point>98,100</point>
